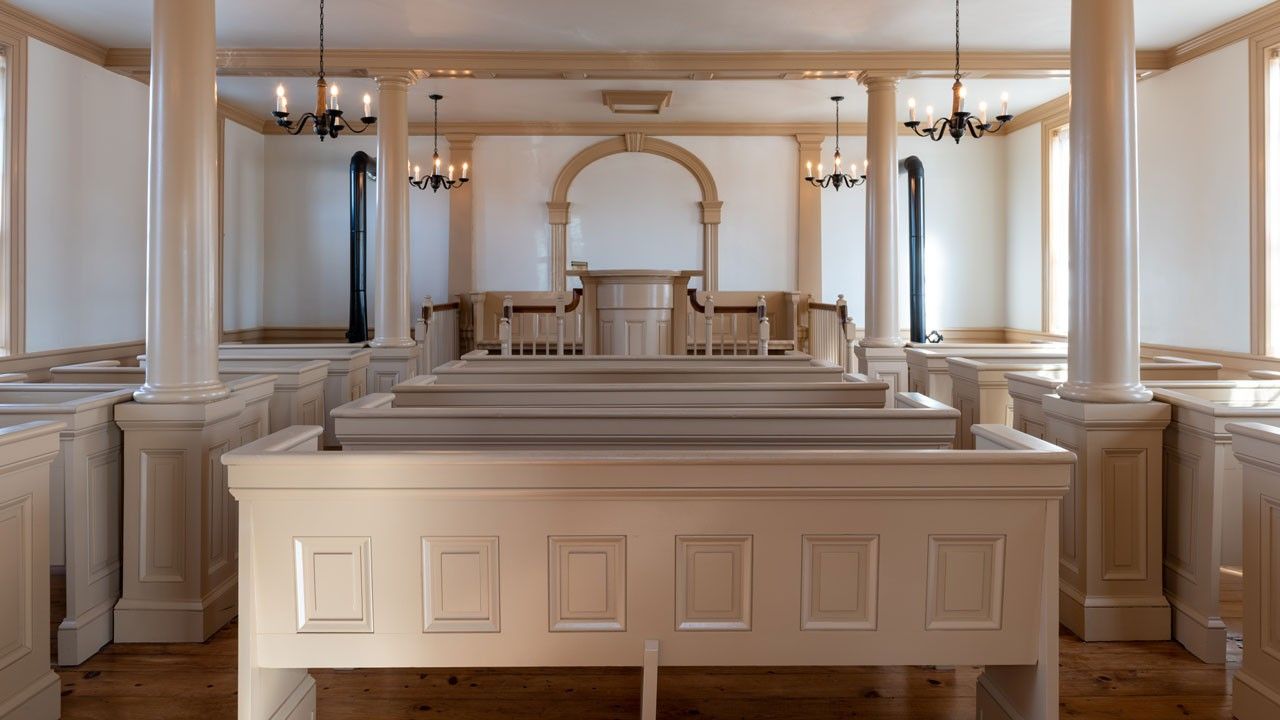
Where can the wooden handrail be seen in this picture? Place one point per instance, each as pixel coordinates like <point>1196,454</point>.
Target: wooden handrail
<point>720,309</point>
<point>546,309</point>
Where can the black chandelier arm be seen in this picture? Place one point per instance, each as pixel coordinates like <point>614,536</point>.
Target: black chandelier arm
<point>934,132</point>
<point>295,127</point>
<point>436,181</point>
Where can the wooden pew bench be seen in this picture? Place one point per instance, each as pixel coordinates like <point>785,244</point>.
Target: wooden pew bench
<point>980,390</point>
<point>665,557</point>
<point>525,361</point>
<point>374,423</point>
<point>927,371</point>
<point>424,391</point>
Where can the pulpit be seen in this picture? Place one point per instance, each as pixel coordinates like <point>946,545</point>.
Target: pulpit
<point>634,312</point>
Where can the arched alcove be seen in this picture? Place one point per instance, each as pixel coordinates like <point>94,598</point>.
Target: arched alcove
<point>710,206</point>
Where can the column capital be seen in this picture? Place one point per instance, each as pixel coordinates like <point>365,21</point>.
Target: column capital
<point>558,213</point>
<point>880,79</point>
<point>810,141</point>
<point>460,141</point>
<point>711,211</point>
<point>393,76</point>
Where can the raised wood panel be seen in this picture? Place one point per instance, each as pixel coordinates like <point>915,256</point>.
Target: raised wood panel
<point>1070,512</point>
<point>1124,519</point>
<point>310,413</point>
<point>164,501</point>
<point>217,518</point>
<point>460,584</point>
<point>1270,582</point>
<point>103,500</point>
<point>385,380</point>
<point>250,432</point>
<point>839,582</point>
<point>588,583</point>
<point>965,583</point>
<point>713,582</point>
<point>1180,500</point>
<point>334,583</point>
<point>16,547</point>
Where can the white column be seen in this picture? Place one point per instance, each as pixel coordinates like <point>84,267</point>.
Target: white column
<point>882,326</point>
<point>182,243</point>
<point>1103,358</point>
<point>391,298</point>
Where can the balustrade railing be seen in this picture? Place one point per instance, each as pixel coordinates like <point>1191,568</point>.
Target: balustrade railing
<point>541,329</point>
<point>438,334</point>
<point>726,329</point>
<point>831,333</point>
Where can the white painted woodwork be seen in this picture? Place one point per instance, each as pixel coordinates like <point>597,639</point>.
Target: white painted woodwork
<point>1203,501</point>
<point>374,423</point>
<point>438,340</point>
<point>390,366</point>
<point>632,312</point>
<point>1103,235</point>
<point>980,390</point>
<point>84,494</point>
<point>714,572</point>
<point>299,394</point>
<point>927,370</point>
<point>182,228</point>
<point>787,359</point>
<point>349,372</point>
<point>884,364</point>
<point>882,214</point>
<point>390,301</point>
<point>464,372</point>
<point>1255,691</point>
<point>180,523</point>
<point>13,377</point>
<point>425,392</point>
<point>1110,568</point>
<point>29,690</point>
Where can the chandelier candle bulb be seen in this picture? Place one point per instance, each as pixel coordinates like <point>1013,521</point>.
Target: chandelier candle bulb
<point>1004,104</point>
<point>982,111</point>
<point>450,172</point>
<point>333,97</point>
<point>417,172</point>
<point>281,103</point>
<point>464,171</point>
<point>366,106</point>
<point>911,108</point>
<point>928,112</point>
<point>809,168</point>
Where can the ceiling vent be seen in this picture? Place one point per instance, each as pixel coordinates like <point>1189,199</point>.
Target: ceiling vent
<point>636,102</point>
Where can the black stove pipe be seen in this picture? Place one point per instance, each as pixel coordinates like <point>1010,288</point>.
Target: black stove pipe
<point>914,170</point>
<point>363,168</point>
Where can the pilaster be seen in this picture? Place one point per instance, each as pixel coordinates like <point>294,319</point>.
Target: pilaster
<point>1111,550</point>
<point>461,242</point>
<point>808,219</point>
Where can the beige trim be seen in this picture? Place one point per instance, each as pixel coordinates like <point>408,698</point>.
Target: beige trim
<point>483,64</point>
<point>243,116</point>
<point>461,221</point>
<point>1260,46</point>
<point>1262,20</point>
<point>558,206</point>
<point>1047,128</point>
<point>37,364</point>
<point>14,20</point>
<point>808,217</point>
<point>636,102</point>
<point>1039,114</point>
<point>13,196</point>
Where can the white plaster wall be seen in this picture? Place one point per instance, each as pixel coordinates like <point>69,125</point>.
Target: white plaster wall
<point>307,229</point>
<point>86,203</point>
<point>1023,232</point>
<point>635,210</point>
<point>1193,193</point>
<point>243,246</point>
<point>964,234</point>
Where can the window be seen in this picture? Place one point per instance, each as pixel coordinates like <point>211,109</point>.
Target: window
<point>1057,275</point>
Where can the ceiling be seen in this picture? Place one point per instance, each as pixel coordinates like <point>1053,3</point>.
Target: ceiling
<point>768,101</point>
<point>643,25</point>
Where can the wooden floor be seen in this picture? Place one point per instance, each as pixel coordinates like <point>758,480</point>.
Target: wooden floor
<point>1125,681</point>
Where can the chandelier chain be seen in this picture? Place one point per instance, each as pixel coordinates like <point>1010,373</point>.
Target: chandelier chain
<point>435,126</point>
<point>837,126</point>
<point>957,39</point>
<point>321,39</point>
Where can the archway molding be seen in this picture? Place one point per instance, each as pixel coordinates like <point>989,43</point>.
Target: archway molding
<point>711,205</point>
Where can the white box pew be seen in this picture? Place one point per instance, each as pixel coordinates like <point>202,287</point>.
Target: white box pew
<point>671,557</point>
<point>1255,693</point>
<point>373,423</point>
<point>29,689</point>
<point>463,372</point>
<point>299,394</point>
<point>349,378</point>
<point>928,374</point>
<point>492,359</point>
<point>1203,501</point>
<point>423,391</point>
<point>980,390</point>
<point>13,377</point>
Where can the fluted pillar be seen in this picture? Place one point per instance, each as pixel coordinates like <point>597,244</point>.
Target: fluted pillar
<point>391,296</point>
<point>182,243</point>
<point>1103,358</point>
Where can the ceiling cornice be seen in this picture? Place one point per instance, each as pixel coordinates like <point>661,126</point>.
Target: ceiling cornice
<point>614,129</point>
<point>1038,114</point>
<point>241,115</point>
<point>634,66</point>
<point>1225,34</point>
<point>20,20</point>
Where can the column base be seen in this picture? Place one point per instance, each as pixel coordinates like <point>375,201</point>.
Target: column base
<point>391,366</point>
<point>149,621</point>
<point>1108,619</point>
<point>1253,700</point>
<point>884,363</point>
<point>41,700</point>
<point>192,393</point>
<point>1093,392</point>
<point>1204,637</point>
<point>80,637</point>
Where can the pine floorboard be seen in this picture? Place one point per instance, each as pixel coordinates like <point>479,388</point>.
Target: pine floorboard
<point>1124,681</point>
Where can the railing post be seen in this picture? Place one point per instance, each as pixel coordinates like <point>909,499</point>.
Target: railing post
<point>710,305</point>
<point>762,321</point>
<point>844,333</point>
<point>422,331</point>
<point>560,325</point>
<point>504,326</point>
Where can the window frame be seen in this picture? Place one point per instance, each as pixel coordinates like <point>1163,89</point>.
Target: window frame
<point>1048,128</point>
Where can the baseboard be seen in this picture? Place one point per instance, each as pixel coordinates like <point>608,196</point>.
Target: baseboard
<point>1252,700</point>
<point>39,700</point>
<point>1206,638</point>
<point>80,637</point>
<point>1116,619</point>
<point>151,621</point>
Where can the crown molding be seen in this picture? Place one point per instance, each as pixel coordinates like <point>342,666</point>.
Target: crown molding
<point>241,115</point>
<point>1264,18</point>
<point>16,19</point>
<point>612,129</point>
<point>287,62</point>
<point>1038,114</point>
